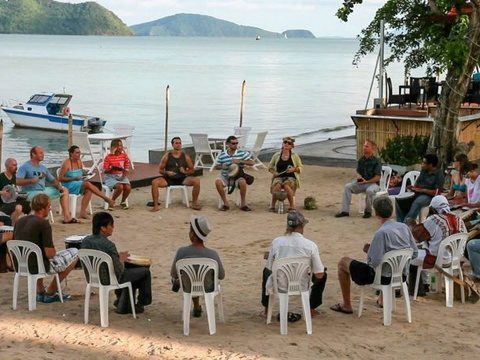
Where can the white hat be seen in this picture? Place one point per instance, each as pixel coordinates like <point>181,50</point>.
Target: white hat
<point>200,226</point>
<point>440,204</point>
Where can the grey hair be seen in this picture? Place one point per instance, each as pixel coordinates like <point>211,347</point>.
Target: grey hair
<point>8,161</point>
<point>383,207</point>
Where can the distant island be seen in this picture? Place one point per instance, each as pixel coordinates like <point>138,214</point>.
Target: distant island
<point>57,18</point>
<point>208,26</point>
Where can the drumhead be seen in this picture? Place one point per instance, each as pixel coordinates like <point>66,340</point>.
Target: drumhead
<point>5,228</point>
<point>11,194</point>
<point>74,238</point>
<point>233,170</point>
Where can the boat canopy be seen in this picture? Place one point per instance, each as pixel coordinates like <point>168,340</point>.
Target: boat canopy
<point>55,103</point>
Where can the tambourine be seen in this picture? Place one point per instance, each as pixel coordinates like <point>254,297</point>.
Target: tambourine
<point>11,194</point>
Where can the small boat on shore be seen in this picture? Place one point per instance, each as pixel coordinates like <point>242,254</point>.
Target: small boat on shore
<point>49,111</point>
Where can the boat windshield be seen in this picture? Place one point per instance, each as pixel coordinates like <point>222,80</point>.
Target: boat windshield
<point>39,99</point>
<point>58,103</point>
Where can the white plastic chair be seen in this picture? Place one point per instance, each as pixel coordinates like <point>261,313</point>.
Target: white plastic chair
<point>455,246</point>
<point>298,272</point>
<point>91,261</point>
<point>383,183</point>
<point>126,129</point>
<point>183,188</point>
<point>196,270</point>
<point>202,148</point>
<point>397,261</point>
<point>72,202</point>
<point>242,133</point>
<point>81,140</point>
<point>20,251</point>
<point>257,147</point>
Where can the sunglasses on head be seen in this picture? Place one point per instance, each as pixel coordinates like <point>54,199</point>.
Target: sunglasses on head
<point>288,142</point>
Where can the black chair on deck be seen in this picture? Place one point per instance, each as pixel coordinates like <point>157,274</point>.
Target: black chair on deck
<point>414,91</point>
<point>394,98</point>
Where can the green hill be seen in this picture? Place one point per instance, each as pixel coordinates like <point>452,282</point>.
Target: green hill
<point>199,25</point>
<point>52,17</point>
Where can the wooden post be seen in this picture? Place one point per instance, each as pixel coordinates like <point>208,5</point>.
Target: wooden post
<point>1,141</point>
<point>241,103</point>
<point>167,98</point>
<point>70,130</point>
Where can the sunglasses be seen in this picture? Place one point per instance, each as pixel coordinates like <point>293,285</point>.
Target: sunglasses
<point>288,142</point>
<point>234,143</point>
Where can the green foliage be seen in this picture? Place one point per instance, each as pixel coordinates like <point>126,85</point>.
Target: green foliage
<point>202,25</point>
<point>52,17</point>
<point>405,150</point>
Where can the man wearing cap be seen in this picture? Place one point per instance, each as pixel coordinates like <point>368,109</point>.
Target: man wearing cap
<point>440,224</point>
<point>390,236</point>
<point>140,277</point>
<point>176,168</point>
<point>230,156</point>
<point>369,171</point>
<point>199,229</point>
<point>294,244</point>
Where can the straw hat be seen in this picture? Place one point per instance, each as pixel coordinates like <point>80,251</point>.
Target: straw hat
<point>200,226</point>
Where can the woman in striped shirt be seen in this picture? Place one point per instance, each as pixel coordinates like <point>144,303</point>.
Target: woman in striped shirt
<point>116,166</point>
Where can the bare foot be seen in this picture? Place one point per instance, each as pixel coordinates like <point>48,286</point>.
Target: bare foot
<point>155,209</point>
<point>84,216</point>
<point>314,312</point>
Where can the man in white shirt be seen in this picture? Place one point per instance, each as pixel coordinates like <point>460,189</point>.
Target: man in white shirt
<point>294,244</point>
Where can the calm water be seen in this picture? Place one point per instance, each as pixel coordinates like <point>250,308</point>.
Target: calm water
<point>294,87</point>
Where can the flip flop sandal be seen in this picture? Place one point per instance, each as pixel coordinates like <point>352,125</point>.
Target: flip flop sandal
<point>225,208</point>
<point>196,207</point>
<point>245,208</point>
<point>124,206</point>
<point>340,309</point>
<point>291,317</point>
<point>272,209</point>
<point>72,221</point>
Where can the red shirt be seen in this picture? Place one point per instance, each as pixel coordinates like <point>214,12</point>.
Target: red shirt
<point>121,160</point>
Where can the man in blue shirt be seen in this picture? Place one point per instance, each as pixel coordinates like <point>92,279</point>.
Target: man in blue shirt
<point>230,156</point>
<point>33,178</point>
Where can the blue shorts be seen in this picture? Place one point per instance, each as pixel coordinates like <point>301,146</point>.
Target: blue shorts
<point>51,192</point>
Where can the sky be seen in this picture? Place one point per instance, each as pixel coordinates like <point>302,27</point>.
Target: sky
<point>318,16</point>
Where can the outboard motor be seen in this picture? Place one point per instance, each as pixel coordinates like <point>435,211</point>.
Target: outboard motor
<point>94,125</point>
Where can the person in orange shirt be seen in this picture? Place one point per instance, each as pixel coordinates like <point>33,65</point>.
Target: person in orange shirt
<point>116,166</point>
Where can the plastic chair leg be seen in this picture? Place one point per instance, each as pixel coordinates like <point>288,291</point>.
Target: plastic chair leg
<point>167,199</point>
<point>394,303</point>
<point>72,205</point>
<point>387,305</point>
<point>448,292</point>
<point>306,311</point>
<point>187,304</point>
<point>185,197</point>
<point>271,300</point>
<point>462,289</point>
<point>408,310</point>
<point>283,299</point>
<point>32,292</point>
<point>360,304</point>
<point>87,304</point>
<point>417,281</point>
<point>16,280</point>
<point>132,302</point>
<point>103,300</point>
<point>210,306</point>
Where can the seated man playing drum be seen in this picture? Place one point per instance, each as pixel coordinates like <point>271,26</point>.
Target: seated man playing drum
<point>285,167</point>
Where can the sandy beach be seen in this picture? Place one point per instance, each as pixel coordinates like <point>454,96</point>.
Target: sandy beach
<point>57,330</point>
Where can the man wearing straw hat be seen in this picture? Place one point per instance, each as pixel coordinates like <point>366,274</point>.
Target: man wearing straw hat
<point>199,229</point>
<point>176,168</point>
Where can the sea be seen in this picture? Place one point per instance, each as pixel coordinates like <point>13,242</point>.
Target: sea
<point>306,88</point>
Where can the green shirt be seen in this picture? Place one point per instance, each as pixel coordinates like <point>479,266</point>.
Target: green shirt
<point>368,167</point>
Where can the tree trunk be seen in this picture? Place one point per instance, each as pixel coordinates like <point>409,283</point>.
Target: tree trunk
<point>446,127</point>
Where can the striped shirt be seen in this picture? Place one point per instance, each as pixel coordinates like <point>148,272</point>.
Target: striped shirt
<point>121,161</point>
<point>226,159</point>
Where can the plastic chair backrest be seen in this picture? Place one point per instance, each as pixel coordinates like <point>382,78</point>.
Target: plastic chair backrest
<point>385,178</point>
<point>297,271</point>
<point>80,139</point>
<point>196,269</point>
<point>260,139</point>
<point>21,250</point>
<point>200,143</point>
<point>455,245</point>
<point>91,262</point>
<point>123,129</point>
<point>396,260</point>
<point>244,131</point>
<point>409,179</point>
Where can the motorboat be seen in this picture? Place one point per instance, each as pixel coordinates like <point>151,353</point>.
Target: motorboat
<point>258,37</point>
<point>49,111</point>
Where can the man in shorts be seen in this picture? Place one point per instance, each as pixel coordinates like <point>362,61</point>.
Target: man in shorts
<point>36,229</point>
<point>391,235</point>
<point>33,176</point>
<point>230,156</point>
<point>176,168</point>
